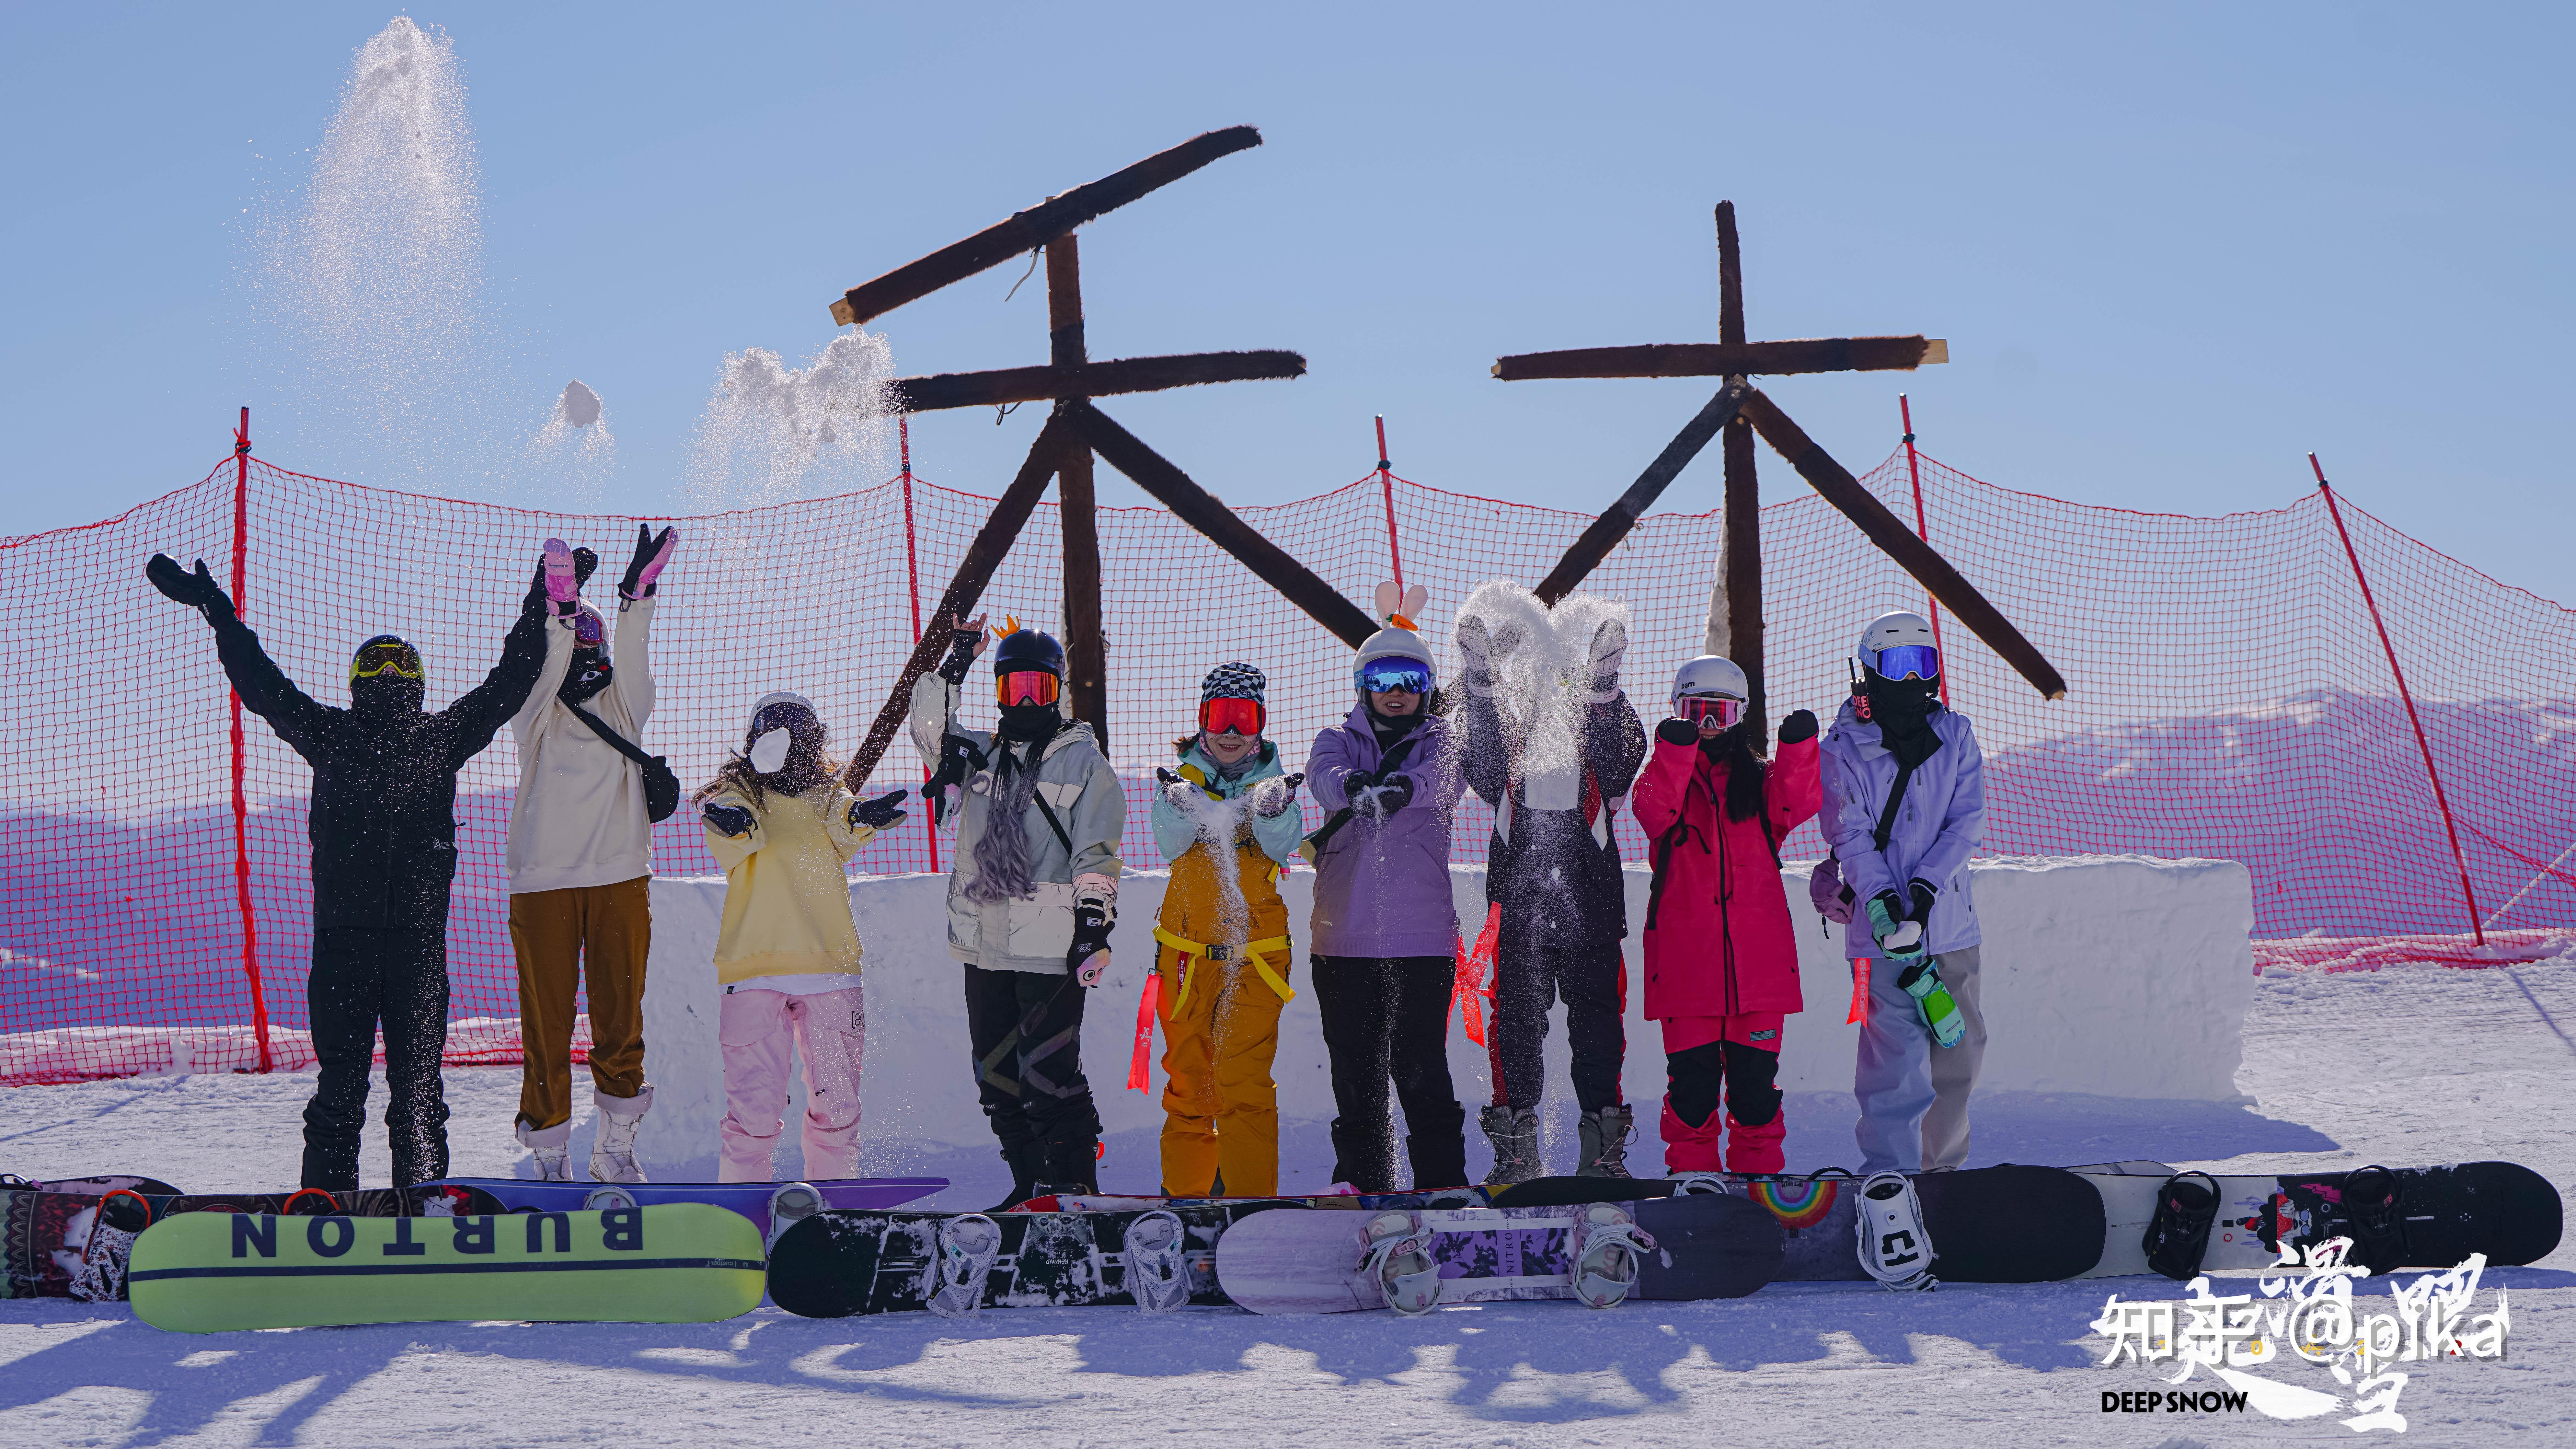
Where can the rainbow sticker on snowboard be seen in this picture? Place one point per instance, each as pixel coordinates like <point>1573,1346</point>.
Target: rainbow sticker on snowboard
<point>1798,1202</point>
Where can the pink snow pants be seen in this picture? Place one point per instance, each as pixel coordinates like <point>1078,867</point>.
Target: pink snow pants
<point>756,1027</point>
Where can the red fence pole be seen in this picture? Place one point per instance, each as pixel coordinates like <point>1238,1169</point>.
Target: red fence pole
<point>912,572</point>
<point>241,787</point>
<point>1386,483</point>
<point>1905,410</point>
<point>2459,856</point>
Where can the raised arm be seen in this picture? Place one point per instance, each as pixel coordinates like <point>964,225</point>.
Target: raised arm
<point>1793,788</point>
<point>1614,744</point>
<point>297,717</point>
<point>479,713</point>
<point>637,594</point>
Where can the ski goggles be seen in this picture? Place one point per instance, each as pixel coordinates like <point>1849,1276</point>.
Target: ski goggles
<point>387,656</point>
<point>1025,686</point>
<point>1395,676</point>
<point>1231,716</point>
<point>1697,707</point>
<point>1909,661</point>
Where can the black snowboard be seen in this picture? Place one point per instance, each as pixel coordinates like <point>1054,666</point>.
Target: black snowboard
<point>837,1264</point>
<point>2001,1224</point>
<point>2442,1214</point>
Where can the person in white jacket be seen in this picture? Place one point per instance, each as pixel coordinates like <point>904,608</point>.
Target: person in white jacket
<point>581,869</point>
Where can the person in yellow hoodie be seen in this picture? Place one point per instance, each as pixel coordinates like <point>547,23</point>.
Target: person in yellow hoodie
<point>787,954</point>
<point>1227,820</point>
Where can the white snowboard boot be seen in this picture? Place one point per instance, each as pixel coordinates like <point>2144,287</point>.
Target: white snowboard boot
<point>551,1145</point>
<point>612,1151</point>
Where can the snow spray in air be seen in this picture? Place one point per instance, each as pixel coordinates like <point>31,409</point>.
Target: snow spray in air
<point>1543,661</point>
<point>578,411</point>
<point>772,433</point>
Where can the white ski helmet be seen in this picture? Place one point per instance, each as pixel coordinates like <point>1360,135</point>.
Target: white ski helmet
<point>1907,633</point>
<point>1711,674</point>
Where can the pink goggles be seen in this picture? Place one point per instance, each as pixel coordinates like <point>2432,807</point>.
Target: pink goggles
<point>1698,707</point>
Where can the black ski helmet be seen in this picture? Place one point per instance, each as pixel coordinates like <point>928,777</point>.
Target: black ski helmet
<point>1027,649</point>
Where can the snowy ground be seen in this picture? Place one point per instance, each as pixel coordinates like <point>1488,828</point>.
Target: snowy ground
<point>2410,1065</point>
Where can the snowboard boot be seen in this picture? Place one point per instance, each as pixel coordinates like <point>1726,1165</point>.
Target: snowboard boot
<point>551,1145</point>
<point>1157,1275</point>
<point>1438,1152</point>
<point>1605,1135</point>
<point>1027,1162</point>
<point>1922,981</point>
<point>1514,1131</point>
<point>612,1151</point>
<point>791,1204</point>
<point>2178,1233</point>
<point>953,1283</point>
<point>1605,1249</point>
<point>1398,1260</point>
<point>1894,1248</point>
<point>1072,1163</point>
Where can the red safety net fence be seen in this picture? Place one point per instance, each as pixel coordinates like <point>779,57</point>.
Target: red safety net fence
<point>2231,697</point>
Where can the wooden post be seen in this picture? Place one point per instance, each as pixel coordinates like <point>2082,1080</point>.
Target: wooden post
<point>1604,533</point>
<point>1010,514</point>
<point>1743,566</point>
<point>1086,644</point>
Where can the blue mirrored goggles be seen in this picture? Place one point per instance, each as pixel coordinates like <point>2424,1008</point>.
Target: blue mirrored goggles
<point>1909,661</point>
<point>1388,676</point>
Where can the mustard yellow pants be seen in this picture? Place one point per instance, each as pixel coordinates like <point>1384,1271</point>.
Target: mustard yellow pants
<point>1221,1110</point>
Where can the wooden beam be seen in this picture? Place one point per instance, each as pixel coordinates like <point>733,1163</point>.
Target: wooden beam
<point>1028,230</point>
<point>1005,385</point>
<point>1604,532</point>
<point>1742,570</point>
<point>1898,542</point>
<point>1010,514</point>
<point>1722,359</point>
<point>1086,643</point>
<point>1208,514</point>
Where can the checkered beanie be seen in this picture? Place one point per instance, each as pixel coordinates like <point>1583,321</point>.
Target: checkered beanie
<point>1233,681</point>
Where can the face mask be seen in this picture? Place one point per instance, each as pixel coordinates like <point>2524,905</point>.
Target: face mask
<point>386,693</point>
<point>590,673</point>
<point>1026,722</point>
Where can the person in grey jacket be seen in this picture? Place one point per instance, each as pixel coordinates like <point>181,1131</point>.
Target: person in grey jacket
<point>1910,889</point>
<point>1040,816</point>
<point>1385,926</point>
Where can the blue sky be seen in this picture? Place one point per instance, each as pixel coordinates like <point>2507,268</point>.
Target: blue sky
<point>2171,248</point>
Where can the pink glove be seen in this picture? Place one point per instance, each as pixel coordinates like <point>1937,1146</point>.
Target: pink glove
<point>651,554</point>
<point>561,585</point>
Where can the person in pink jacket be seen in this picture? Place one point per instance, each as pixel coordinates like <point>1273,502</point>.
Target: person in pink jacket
<point>1721,962</point>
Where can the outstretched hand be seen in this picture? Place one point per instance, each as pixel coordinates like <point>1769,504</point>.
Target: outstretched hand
<point>881,813</point>
<point>730,821</point>
<point>964,643</point>
<point>197,590</point>
<point>652,555</point>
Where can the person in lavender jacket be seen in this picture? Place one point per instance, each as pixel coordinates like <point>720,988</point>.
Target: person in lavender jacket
<point>1912,905</point>
<point>1385,925</point>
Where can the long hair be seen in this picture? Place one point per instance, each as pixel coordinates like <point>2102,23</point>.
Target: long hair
<point>737,775</point>
<point>1745,774</point>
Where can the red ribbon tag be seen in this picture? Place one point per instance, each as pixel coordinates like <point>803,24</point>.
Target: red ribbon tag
<point>1137,1080</point>
<point>1860,992</point>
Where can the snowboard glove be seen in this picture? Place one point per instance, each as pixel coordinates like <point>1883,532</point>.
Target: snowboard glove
<point>961,654</point>
<point>1800,725</point>
<point>1389,795</point>
<point>1271,798</point>
<point>1677,732</point>
<point>1900,938</point>
<point>1924,895</point>
<point>1089,957</point>
<point>880,813</point>
<point>197,590</point>
<point>730,821</point>
<point>959,758</point>
<point>585,562</point>
<point>1922,981</point>
<point>651,553</point>
<point>563,587</point>
<point>1476,651</point>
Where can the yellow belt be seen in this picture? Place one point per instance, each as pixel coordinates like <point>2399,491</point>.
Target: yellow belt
<point>1253,951</point>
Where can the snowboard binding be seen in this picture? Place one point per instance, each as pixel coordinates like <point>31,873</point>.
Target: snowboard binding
<point>1397,1258</point>
<point>790,1204</point>
<point>606,1199</point>
<point>2178,1235</point>
<point>953,1285</point>
<point>1157,1275</point>
<point>1606,1248</point>
<point>1699,1184</point>
<point>115,1222</point>
<point>1895,1248</point>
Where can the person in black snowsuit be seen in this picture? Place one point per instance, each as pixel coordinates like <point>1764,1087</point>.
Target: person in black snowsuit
<point>383,826</point>
<point>1555,874</point>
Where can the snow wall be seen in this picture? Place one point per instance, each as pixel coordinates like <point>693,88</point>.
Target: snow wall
<point>2119,976</point>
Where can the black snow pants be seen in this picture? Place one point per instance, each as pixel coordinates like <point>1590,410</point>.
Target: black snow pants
<point>360,978</point>
<point>1740,1077</point>
<point>1026,1032</point>
<point>1387,1018</point>
<point>1527,981</point>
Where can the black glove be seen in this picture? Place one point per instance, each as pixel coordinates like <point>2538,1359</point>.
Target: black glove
<point>880,813</point>
<point>196,590</point>
<point>959,758</point>
<point>1800,725</point>
<point>730,821</point>
<point>534,605</point>
<point>1924,895</point>
<point>1090,934</point>
<point>1677,732</point>
<point>585,562</point>
<point>648,546</point>
<point>961,653</point>
<point>1393,794</point>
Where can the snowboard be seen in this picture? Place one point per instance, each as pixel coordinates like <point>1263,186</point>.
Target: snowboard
<point>672,1263</point>
<point>1446,1197</point>
<point>47,1239</point>
<point>838,1264</point>
<point>2003,1224</point>
<point>751,1199</point>
<point>2444,1213</point>
<point>93,1186</point>
<point>1293,1261</point>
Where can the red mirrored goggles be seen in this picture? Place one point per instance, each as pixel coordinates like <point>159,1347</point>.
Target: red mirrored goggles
<point>1698,707</point>
<point>1025,686</point>
<point>1231,716</point>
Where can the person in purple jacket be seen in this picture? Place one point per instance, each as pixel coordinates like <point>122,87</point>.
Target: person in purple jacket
<point>1905,804</point>
<point>1385,926</point>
